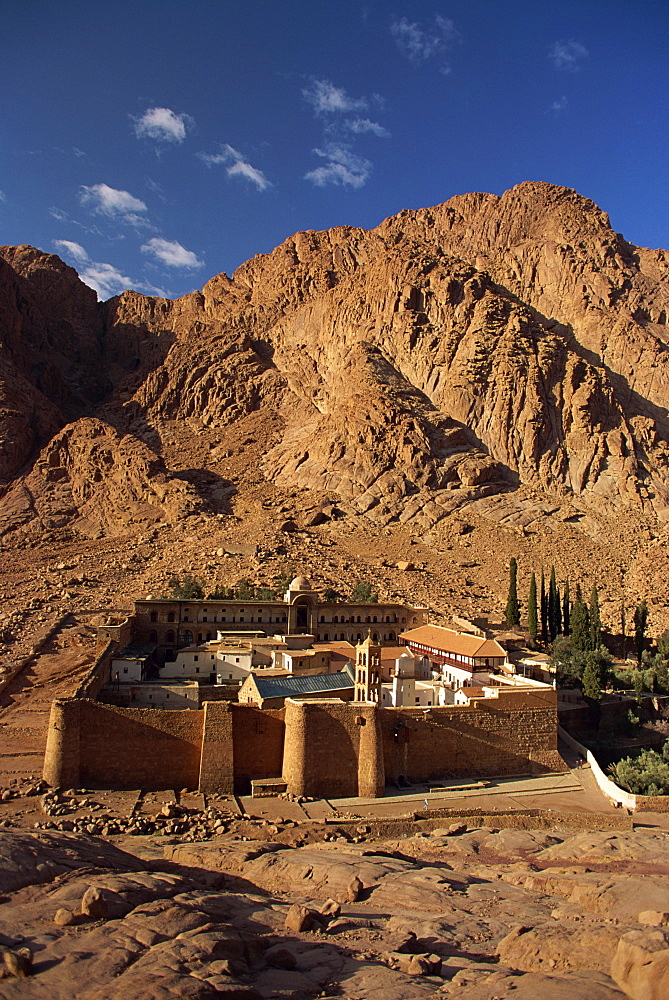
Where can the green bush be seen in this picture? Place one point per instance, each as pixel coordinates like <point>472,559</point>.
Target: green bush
<point>647,774</point>
<point>188,589</point>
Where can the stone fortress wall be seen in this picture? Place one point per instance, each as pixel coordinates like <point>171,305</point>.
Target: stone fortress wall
<point>322,748</point>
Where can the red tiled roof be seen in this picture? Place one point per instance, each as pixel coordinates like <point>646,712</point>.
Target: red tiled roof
<point>449,641</point>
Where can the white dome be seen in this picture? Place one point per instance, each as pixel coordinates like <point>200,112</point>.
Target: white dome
<point>300,583</point>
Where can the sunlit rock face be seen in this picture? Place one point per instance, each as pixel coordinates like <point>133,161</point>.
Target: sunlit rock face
<point>483,345</point>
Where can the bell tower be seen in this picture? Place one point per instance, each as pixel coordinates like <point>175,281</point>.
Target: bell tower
<point>368,671</point>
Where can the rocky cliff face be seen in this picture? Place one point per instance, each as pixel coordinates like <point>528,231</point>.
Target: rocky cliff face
<point>487,346</point>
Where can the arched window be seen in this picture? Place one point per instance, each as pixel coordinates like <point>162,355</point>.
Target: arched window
<point>199,637</point>
<point>367,619</point>
<point>326,637</point>
<point>170,636</point>
<point>374,618</point>
<point>375,636</point>
<point>359,636</point>
<point>336,618</point>
<point>170,616</point>
<point>153,636</point>
<point>387,618</point>
<point>208,636</point>
<point>392,636</point>
<point>186,637</point>
<point>322,619</point>
<point>154,616</point>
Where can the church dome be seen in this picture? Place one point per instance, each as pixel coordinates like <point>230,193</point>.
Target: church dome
<point>300,583</point>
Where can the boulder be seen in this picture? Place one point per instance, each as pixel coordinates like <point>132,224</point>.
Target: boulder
<point>298,919</point>
<point>94,905</point>
<point>354,890</point>
<point>640,965</point>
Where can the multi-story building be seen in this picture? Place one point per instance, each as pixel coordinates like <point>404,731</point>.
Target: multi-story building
<point>174,624</point>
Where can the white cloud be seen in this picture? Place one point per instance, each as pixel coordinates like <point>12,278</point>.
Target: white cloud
<point>421,42</point>
<point>162,124</point>
<point>103,278</point>
<point>560,106</point>
<point>325,98</point>
<point>342,167</point>
<point>568,55</point>
<point>171,253</point>
<point>72,250</point>
<point>3,196</point>
<point>362,125</point>
<point>237,166</point>
<point>107,200</point>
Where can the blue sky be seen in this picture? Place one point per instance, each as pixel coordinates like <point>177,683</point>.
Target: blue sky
<point>155,143</point>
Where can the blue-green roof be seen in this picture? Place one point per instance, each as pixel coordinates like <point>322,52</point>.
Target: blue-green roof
<point>286,687</point>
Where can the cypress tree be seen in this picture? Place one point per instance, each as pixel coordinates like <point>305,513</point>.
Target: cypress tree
<point>640,623</point>
<point>592,677</point>
<point>580,623</point>
<point>544,609</point>
<point>558,612</point>
<point>551,605</point>
<point>565,609</point>
<point>512,613</point>
<point>595,620</point>
<point>532,611</point>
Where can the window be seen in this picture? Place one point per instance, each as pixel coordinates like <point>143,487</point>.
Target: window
<point>418,701</point>
<point>154,616</point>
<point>125,670</point>
<point>236,660</point>
<point>209,637</point>
<point>170,636</point>
<point>195,658</point>
<point>199,637</point>
<point>187,637</point>
<point>204,618</point>
<point>170,616</point>
<point>322,619</point>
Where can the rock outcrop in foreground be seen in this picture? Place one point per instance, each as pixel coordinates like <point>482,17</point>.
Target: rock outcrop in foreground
<point>478,914</point>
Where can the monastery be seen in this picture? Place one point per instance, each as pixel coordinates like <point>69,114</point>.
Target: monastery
<point>231,696</point>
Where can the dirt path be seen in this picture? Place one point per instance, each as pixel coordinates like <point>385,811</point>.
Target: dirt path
<point>25,703</point>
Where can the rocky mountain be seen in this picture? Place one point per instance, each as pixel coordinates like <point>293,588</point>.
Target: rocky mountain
<point>498,356</point>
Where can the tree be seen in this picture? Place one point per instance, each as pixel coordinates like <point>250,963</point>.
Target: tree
<point>566,608</point>
<point>640,624</point>
<point>595,622</point>
<point>552,601</point>
<point>244,590</point>
<point>544,609</point>
<point>580,623</point>
<point>362,593</point>
<point>512,612</point>
<point>284,578</point>
<point>532,611</point>
<point>592,677</point>
<point>188,589</point>
<point>623,626</point>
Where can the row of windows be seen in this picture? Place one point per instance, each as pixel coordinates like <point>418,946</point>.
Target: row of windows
<point>358,637</point>
<point>258,618</point>
<point>340,619</point>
